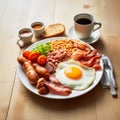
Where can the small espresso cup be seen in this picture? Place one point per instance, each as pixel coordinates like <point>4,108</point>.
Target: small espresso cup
<point>38,28</point>
<point>84,25</point>
<point>25,36</point>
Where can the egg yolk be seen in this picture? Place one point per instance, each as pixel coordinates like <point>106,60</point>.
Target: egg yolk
<point>73,72</point>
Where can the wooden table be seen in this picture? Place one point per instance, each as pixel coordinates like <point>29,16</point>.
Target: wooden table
<point>18,103</point>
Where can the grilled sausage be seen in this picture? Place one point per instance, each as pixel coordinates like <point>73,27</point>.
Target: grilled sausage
<point>29,70</point>
<point>42,71</point>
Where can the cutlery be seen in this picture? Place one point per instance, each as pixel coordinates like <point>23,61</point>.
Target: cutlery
<point>109,74</point>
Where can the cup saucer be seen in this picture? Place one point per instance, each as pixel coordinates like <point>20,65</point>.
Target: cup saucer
<point>92,39</point>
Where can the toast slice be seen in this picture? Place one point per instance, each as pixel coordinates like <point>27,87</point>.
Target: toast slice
<point>54,30</point>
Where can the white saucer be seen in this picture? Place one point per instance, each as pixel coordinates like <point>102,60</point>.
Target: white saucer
<point>92,39</point>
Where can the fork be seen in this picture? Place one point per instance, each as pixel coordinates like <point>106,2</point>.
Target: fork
<point>107,77</point>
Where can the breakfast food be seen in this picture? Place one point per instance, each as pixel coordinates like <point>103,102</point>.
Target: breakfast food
<point>71,73</point>
<point>42,71</point>
<point>29,70</point>
<point>58,89</point>
<point>61,66</point>
<point>53,30</point>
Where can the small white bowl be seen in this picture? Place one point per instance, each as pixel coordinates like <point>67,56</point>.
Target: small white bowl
<point>25,36</point>
<point>38,28</point>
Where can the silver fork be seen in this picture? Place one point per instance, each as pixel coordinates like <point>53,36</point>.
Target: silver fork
<point>108,77</point>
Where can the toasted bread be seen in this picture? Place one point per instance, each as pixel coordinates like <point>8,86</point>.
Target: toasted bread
<point>53,30</point>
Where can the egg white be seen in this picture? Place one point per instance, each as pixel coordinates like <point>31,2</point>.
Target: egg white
<point>88,75</point>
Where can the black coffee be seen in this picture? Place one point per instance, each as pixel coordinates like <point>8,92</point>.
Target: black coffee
<point>83,21</point>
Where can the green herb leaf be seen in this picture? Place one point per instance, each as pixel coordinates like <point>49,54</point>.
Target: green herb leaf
<point>43,49</point>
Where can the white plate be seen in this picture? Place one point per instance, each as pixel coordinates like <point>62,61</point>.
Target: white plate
<point>94,37</point>
<point>32,88</point>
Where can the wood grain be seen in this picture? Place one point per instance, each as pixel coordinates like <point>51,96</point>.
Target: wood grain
<point>18,103</point>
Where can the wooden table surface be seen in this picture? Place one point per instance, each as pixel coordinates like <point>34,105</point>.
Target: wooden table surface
<point>18,103</point>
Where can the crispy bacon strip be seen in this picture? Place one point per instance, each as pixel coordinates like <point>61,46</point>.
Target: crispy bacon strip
<point>92,61</point>
<point>90,55</point>
<point>58,89</point>
<point>53,79</point>
<point>78,55</point>
<point>97,67</point>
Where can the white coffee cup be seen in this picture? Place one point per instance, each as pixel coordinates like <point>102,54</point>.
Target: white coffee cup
<point>84,25</point>
<point>25,36</point>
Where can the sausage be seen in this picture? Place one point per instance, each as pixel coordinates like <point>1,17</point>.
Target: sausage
<point>58,89</point>
<point>30,72</point>
<point>22,60</point>
<point>28,69</point>
<point>42,71</point>
<point>40,83</point>
<point>42,89</point>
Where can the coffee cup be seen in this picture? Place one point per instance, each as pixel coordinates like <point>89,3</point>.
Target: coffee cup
<point>38,28</point>
<point>25,36</point>
<point>84,25</point>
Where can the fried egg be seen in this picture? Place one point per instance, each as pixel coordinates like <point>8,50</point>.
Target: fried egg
<point>71,73</point>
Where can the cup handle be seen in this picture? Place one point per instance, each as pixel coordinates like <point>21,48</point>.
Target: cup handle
<point>20,43</point>
<point>99,26</point>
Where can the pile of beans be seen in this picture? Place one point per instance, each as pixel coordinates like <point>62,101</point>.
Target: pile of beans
<point>57,56</point>
<point>61,51</point>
